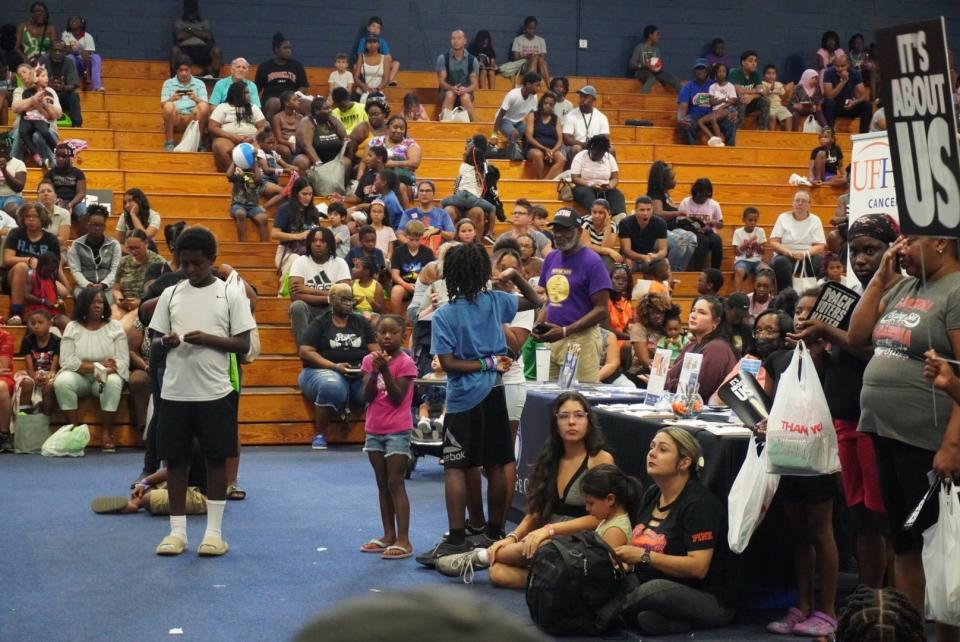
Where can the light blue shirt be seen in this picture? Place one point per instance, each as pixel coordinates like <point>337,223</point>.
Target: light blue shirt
<point>219,93</point>
<point>183,104</point>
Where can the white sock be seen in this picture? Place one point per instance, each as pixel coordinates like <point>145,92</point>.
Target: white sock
<point>178,526</point>
<point>214,517</point>
<point>482,556</point>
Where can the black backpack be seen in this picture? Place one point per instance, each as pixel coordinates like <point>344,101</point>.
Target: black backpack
<point>491,194</point>
<point>576,586</point>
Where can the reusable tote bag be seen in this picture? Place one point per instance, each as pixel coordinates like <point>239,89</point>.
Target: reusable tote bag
<point>191,138</point>
<point>749,498</point>
<point>941,559</point>
<point>804,279</point>
<point>801,439</point>
<point>327,179</point>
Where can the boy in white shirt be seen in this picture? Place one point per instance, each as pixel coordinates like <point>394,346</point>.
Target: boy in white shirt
<point>748,241</point>
<point>202,322</point>
<point>340,77</point>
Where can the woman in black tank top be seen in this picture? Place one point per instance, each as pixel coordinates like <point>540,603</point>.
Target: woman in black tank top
<point>320,137</point>
<point>544,140</point>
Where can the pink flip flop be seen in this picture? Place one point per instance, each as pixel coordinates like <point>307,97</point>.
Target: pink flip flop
<point>819,624</point>
<point>374,546</point>
<point>784,626</point>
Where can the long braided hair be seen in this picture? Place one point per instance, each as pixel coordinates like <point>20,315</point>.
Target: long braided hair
<point>237,98</point>
<point>883,615</point>
<point>466,271</point>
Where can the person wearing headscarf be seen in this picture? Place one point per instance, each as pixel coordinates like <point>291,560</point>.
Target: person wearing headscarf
<point>807,100</point>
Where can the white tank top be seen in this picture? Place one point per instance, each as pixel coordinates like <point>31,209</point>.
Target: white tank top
<point>373,74</point>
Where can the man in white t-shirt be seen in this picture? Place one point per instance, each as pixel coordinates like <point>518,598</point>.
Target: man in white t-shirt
<point>518,102</point>
<point>532,48</point>
<point>13,178</point>
<point>202,322</point>
<point>585,122</point>
<point>312,276</point>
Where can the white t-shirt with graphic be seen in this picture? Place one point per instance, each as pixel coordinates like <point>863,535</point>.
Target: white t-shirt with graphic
<point>320,275</point>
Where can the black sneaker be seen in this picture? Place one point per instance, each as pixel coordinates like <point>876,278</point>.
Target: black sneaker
<point>480,540</point>
<point>6,442</point>
<point>443,548</point>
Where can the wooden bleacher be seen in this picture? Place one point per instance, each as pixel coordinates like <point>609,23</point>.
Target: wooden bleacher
<point>124,131</point>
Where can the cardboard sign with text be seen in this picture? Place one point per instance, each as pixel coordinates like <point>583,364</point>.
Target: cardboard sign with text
<point>921,126</point>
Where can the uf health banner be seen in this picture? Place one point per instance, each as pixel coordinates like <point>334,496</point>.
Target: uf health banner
<point>872,189</point>
<point>921,126</point>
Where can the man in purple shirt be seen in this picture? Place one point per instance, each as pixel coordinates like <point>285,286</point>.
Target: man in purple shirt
<point>578,289</point>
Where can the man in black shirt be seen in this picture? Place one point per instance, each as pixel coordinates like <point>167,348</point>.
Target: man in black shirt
<point>64,80</point>
<point>643,237</point>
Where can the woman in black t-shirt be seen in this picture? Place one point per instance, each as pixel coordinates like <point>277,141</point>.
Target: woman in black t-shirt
<point>21,249</point>
<point>320,137</point>
<point>678,545</point>
<point>331,351</point>
<point>279,74</point>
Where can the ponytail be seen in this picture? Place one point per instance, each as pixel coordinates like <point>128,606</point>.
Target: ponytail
<point>608,479</point>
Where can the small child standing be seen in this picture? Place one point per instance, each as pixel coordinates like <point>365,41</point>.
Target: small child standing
<point>674,338</point>
<point>40,290</point>
<point>832,269</point>
<point>388,389</point>
<point>272,166</point>
<point>340,76</point>
<point>826,161</point>
<point>778,113</point>
<point>245,201</point>
<point>748,241</point>
<point>412,109</point>
<point>366,290</point>
<point>337,214</point>
<point>41,351</point>
<point>408,260</point>
<point>432,402</point>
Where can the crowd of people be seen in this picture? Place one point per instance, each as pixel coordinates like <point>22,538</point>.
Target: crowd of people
<point>387,255</point>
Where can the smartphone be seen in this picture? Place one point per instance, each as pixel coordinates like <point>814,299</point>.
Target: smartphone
<point>541,328</point>
<point>183,92</point>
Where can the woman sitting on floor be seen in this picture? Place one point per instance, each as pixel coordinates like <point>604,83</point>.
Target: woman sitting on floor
<point>555,504</point>
<point>678,545</point>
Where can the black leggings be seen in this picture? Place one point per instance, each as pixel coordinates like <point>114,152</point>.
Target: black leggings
<point>585,196</point>
<point>707,242</point>
<point>42,127</point>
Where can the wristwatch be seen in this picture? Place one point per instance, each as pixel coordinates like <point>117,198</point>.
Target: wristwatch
<point>645,559</point>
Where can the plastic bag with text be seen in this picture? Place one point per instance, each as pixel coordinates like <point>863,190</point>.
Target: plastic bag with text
<point>801,439</point>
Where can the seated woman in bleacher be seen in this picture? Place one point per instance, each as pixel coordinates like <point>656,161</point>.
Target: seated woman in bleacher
<point>320,138</point>
<point>403,156</point>
<point>530,263</point>
<point>376,125</point>
<point>83,51</point>
<point>371,69</point>
<point>232,122</point>
<point>21,249</point>
<point>555,503</point>
<point>806,100</point>
<point>94,359</point>
<point>797,236</point>
<point>312,276</point>
<point>36,35</point>
<point>280,74</point>
<point>291,225</point>
<point>543,136</point>
<point>678,548</point>
<point>137,215</point>
<point>131,275</point>
<point>467,200</point>
<point>648,328</point>
<point>595,174</point>
<point>600,233</point>
<point>707,338</point>
<point>59,224</point>
<point>332,348</point>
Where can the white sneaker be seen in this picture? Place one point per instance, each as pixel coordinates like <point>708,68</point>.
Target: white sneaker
<point>797,180</point>
<point>461,564</point>
<point>715,141</point>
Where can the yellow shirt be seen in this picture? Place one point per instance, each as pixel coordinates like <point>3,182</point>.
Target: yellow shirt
<point>363,295</point>
<point>351,117</point>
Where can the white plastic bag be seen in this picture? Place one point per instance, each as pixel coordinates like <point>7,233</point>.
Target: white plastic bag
<point>804,279</point>
<point>941,560</point>
<point>191,138</point>
<point>68,441</point>
<point>749,498</point>
<point>810,125</point>
<point>455,115</point>
<point>801,439</point>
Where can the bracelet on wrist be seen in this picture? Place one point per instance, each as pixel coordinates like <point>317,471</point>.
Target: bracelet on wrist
<point>483,365</point>
<point>491,364</point>
<point>564,332</point>
<point>516,538</point>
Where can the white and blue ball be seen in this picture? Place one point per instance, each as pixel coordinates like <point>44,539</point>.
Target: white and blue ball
<point>244,156</point>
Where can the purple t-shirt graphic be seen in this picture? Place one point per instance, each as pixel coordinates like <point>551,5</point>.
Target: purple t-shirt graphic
<point>570,280</point>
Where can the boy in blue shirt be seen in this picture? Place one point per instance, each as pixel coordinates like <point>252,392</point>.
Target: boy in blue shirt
<point>468,339</point>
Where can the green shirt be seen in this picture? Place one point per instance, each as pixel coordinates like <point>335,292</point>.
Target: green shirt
<point>740,79</point>
<point>130,274</point>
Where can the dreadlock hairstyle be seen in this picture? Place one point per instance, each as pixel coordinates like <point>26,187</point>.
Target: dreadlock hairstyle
<point>466,270</point>
<point>883,615</point>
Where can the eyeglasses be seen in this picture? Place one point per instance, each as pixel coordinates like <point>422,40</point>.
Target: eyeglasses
<point>567,416</point>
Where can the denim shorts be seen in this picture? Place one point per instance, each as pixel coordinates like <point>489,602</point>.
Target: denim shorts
<point>395,443</point>
<point>250,211</point>
<point>747,266</point>
<point>330,388</point>
<point>16,199</point>
<point>508,127</point>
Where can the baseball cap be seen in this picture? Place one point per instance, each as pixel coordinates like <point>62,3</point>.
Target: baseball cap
<point>588,90</point>
<point>565,217</point>
<point>738,301</point>
<point>701,62</point>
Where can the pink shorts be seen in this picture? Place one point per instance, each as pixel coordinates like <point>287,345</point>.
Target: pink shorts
<point>858,467</point>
